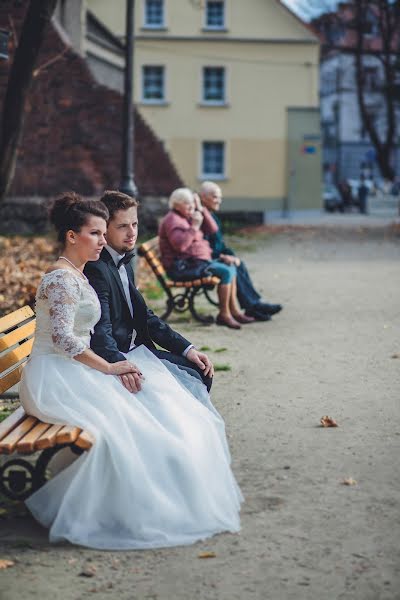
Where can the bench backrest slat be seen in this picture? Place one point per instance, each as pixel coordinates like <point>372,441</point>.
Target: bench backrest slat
<point>17,335</point>
<point>16,338</point>
<point>11,379</point>
<point>15,318</point>
<point>16,355</point>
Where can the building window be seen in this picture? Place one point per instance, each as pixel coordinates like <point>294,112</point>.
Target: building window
<point>153,84</point>
<point>215,14</point>
<point>213,160</point>
<point>214,85</point>
<point>154,13</point>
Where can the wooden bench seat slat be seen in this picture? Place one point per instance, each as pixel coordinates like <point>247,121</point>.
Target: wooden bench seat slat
<point>27,443</point>
<point>48,439</point>
<point>15,317</point>
<point>17,335</point>
<point>85,440</point>
<point>12,421</point>
<point>8,444</point>
<point>68,434</point>
<point>13,377</point>
<point>10,359</point>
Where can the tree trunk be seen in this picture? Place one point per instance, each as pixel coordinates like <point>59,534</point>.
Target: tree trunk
<point>33,32</point>
<point>384,147</point>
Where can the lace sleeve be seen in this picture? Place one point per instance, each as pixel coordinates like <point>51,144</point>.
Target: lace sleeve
<point>63,293</point>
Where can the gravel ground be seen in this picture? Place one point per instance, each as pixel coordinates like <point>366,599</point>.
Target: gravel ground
<point>334,350</point>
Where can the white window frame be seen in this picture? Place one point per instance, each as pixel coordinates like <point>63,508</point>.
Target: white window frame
<point>147,25</point>
<point>214,176</point>
<point>145,100</point>
<point>204,100</point>
<point>214,27</point>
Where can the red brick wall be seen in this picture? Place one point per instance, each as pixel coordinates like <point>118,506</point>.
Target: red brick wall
<point>72,131</point>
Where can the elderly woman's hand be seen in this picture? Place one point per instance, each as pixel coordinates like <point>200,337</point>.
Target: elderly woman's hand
<point>197,219</point>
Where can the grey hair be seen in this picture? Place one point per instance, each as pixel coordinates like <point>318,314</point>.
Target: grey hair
<point>180,196</point>
<point>207,187</point>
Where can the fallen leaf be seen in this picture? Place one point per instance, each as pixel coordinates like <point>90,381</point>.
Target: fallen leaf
<point>328,421</point>
<point>395,356</point>
<point>5,564</point>
<point>349,481</point>
<point>88,572</point>
<point>206,555</point>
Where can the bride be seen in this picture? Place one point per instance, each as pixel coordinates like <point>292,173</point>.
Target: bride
<point>158,473</point>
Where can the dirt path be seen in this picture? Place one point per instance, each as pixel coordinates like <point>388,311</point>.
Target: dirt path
<point>305,535</point>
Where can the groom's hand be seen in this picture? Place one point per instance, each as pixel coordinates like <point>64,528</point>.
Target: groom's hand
<point>132,382</point>
<point>202,361</point>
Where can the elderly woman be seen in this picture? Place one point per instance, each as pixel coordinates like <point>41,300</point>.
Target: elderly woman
<point>184,251</point>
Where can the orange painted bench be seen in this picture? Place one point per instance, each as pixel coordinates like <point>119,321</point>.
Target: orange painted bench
<point>23,434</point>
<point>183,297</point>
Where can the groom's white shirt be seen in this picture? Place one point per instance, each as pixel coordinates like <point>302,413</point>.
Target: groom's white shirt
<point>125,284</point>
<point>123,275</point>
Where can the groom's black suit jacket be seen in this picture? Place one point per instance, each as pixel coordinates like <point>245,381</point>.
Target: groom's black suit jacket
<point>113,333</point>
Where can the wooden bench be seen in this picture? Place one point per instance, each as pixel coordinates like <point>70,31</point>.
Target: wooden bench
<point>183,298</point>
<point>19,432</point>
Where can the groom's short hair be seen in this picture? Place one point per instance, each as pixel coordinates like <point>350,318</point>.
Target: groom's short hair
<point>115,201</point>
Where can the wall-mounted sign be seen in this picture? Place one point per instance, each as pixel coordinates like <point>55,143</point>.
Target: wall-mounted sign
<point>308,149</point>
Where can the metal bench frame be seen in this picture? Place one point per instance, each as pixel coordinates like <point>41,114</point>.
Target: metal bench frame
<point>187,291</point>
<point>19,432</point>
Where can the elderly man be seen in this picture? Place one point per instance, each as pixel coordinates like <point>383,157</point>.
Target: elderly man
<point>186,254</point>
<point>249,299</point>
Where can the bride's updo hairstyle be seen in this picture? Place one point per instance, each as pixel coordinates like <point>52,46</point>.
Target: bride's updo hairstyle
<point>70,212</point>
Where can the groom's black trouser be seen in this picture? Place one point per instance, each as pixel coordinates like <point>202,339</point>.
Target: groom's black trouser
<point>185,364</point>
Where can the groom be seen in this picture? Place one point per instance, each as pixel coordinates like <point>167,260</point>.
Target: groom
<point>125,320</point>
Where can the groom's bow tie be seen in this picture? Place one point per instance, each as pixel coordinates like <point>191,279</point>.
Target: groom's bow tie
<point>125,259</point>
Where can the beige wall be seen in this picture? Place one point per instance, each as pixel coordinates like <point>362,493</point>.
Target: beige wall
<point>244,18</point>
<point>263,79</point>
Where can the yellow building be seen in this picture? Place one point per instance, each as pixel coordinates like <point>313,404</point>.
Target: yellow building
<point>231,87</point>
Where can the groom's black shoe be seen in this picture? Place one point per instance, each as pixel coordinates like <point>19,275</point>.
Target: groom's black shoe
<point>269,309</point>
<point>257,314</point>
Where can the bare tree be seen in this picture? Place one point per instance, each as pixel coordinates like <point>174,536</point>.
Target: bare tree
<point>31,38</point>
<point>388,22</point>
<point>386,16</point>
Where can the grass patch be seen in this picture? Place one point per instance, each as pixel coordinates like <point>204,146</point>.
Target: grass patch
<point>205,349</point>
<point>153,291</point>
<point>5,413</point>
<point>220,349</point>
<point>222,367</point>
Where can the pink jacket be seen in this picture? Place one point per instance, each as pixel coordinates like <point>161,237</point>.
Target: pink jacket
<point>178,239</point>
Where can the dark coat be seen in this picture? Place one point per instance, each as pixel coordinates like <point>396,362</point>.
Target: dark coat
<point>113,333</point>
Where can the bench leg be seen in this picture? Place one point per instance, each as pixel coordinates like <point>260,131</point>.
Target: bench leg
<point>178,302</point>
<point>205,319</point>
<point>19,478</point>
<point>207,292</point>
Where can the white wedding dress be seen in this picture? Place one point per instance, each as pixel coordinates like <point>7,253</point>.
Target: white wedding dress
<point>159,471</point>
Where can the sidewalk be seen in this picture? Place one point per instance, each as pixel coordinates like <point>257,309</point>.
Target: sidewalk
<point>381,218</point>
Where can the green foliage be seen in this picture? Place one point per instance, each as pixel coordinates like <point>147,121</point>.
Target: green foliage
<point>222,367</point>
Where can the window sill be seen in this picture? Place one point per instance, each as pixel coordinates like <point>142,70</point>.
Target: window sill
<point>212,177</point>
<point>154,28</point>
<point>222,29</point>
<point>204,104</point>
<point>154,102</point>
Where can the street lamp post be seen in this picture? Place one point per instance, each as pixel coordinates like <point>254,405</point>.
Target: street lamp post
<point>127,184</point>
<point>4,35</point>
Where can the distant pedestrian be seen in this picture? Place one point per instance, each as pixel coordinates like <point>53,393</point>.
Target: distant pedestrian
<point>362,196</point>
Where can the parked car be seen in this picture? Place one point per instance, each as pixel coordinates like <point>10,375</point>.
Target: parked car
<point>331,197</point>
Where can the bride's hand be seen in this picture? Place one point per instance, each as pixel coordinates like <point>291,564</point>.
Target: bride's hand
<point>121,367</point>
<point>129,375</point>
